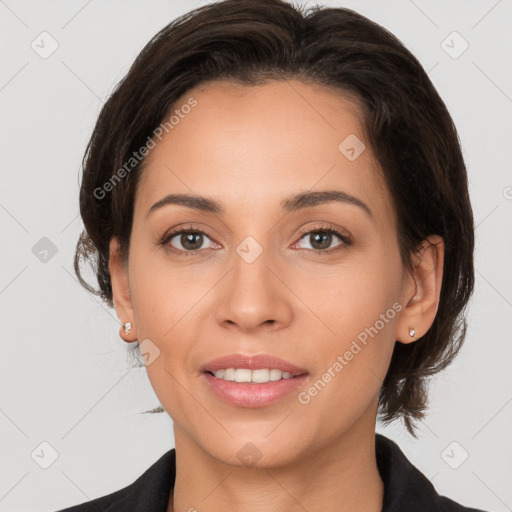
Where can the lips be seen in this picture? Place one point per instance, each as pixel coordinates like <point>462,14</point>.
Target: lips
<point>241,393</point>
<point>254,362</point>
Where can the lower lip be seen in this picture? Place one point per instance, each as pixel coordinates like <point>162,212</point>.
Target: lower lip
<point>250,394</point>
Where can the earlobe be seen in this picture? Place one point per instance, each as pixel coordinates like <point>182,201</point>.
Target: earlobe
<point>422,291</point>
<point>121,293</point>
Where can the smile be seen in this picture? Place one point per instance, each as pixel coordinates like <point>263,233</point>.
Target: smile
<point>256,376</point>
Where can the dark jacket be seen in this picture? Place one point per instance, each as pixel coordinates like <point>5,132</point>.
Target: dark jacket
<point>406,489</point>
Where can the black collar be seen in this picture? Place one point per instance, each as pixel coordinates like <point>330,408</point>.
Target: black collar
<point>406,489</point>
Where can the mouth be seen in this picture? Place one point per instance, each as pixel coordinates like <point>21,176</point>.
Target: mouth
<point>252,381</point>
<point>259,376</point>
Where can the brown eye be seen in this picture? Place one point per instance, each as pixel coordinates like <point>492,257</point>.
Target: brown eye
<point>321,240</point>
<point>191,241</point>
<point>186,242</point>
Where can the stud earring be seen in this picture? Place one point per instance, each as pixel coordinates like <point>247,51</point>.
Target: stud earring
<point>127,327</point>
<point>412,332</point>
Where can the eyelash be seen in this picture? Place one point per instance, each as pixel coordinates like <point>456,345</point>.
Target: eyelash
<point>322,229</point>
<point>346,241</point>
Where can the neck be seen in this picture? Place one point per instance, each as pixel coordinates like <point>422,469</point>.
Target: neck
<point>342,476</point>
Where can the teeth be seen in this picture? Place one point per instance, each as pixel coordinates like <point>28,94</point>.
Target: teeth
<point>260,376</point>
<point>229,374</point>
<point>242,375</point>
<point>257,376</point>
<point>275,374</point>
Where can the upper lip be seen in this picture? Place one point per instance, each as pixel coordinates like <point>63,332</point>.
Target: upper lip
<point>252,362</point>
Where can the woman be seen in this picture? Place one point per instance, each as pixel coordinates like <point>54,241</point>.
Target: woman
<point>276,204</point>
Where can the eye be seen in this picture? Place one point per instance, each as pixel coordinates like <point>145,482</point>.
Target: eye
<point>186,242</point>
<point>321,238</point>
<point>191,241</point>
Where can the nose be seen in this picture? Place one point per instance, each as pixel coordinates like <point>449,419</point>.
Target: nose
<point>254,295</point>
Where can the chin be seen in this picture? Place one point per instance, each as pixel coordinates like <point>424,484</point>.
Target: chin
<point>254,452</point>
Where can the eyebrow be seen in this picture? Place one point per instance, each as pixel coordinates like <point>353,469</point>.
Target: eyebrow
<point>288,205</point>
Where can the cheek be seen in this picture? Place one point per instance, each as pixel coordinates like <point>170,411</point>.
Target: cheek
<point>163,295</point>
<point>361,306</point>
<point>355,294</point>
<point>165,303</point>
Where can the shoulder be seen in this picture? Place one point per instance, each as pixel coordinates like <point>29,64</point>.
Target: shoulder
<point>149,492</point>
<point>405,487</point>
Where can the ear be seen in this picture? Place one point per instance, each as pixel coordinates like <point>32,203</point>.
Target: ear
<point>121,292</point>
<point>421,291</point>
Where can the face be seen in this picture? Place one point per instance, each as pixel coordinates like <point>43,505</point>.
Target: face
<point>319,285</point>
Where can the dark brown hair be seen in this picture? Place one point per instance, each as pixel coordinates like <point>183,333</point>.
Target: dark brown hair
<point>406,122</point>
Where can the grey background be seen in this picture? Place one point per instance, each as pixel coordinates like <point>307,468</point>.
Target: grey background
<point>65,377</point>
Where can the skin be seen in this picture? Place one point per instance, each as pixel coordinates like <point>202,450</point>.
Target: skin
<point>249,148</point>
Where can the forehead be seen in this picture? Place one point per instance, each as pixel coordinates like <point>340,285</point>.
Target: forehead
<point>254,145</point>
